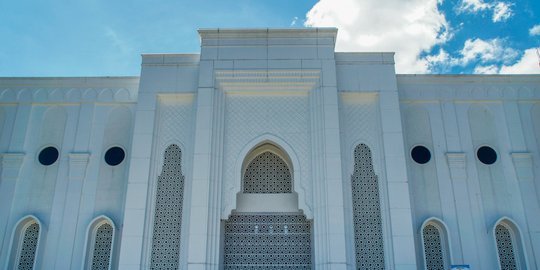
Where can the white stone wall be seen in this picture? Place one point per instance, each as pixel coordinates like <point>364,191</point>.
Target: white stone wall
<point>288,88</point>
<point>453,117</point>
<point>82,118</point>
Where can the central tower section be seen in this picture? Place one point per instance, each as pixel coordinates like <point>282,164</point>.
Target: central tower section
<point>266,132</point>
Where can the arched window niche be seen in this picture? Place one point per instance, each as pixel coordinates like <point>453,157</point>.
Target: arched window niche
<point>100,244</point>
<point>168,208</point>
<point>267,183</point>
<point>509,246</point>
<point>25,243</point>
<point>435,244</point>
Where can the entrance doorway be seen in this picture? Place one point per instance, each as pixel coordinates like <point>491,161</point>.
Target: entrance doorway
<point>267,230</point>
<point>267,241</point>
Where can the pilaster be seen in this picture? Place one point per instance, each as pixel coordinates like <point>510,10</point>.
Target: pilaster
<point>202,165</point>
<point>132,243</point>
<point>11,167</point>
<point>78,163</point>
<point>329,221</point>
<point>457,166</point>
<point>399,210</point>
<point>523,166</point>
<point>524,173</point>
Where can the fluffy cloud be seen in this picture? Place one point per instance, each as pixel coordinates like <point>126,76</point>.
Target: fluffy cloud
<point>492,50</point>
<point>473,5</point>
<point>486,56</point>
<point>535,30</point>
<point>407,27</point>
<point>528,64</point>
<point>441,62</point>
<point>502,11</point>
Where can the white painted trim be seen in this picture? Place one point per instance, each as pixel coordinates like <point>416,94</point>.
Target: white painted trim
<point>14,245</point>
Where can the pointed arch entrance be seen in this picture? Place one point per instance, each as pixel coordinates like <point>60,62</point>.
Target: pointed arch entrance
<point>267,230</point>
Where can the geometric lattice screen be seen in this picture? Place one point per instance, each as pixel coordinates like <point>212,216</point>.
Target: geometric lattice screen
<point>28,247</point>
<point>267,241</point>
<point>267,173</point>
<point>168,212</point>
<point>101,256</point>
<point>433,249</point>
<point>368,238</point>
<point>505,248</point>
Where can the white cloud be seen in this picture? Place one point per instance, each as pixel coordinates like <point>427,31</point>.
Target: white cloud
<point>487,55</point>
<point>441,62</point>
<point>492,50</point>
<point>407,27</point>
<point>473,5</point>
<point>502,11</point>
<point>528,64</point>
<point>535,30</point>
<point>491,69</point>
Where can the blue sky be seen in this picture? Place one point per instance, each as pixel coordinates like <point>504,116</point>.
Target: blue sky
<point>106,38</point>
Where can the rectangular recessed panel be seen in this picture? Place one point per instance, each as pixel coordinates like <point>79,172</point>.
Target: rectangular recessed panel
<point>267,241</point>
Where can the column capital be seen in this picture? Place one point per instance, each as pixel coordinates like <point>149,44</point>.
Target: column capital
<point>12,160</point>
<point>523,165</point>
<point>78,162</point>
<point>456,160</point>
<point>11,164</point>
<point>522,159</point>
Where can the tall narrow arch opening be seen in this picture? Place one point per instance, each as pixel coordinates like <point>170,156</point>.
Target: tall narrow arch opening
<point>100,241</point>
<point>368,235</point>
<point>169,197</point>
<point>25,244</point>
<point>267,230</point>
<point>509,246</point>
<point>435,245</point>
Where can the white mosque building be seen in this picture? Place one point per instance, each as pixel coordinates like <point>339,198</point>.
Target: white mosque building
<point>269,150</point>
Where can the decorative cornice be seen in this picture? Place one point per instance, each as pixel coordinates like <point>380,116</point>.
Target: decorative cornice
<point>316,32</point>
<point>52,95</point>
<point>523,165</point>
<point>269,81</point>
<point>69,89</point>
<point>468,87</point>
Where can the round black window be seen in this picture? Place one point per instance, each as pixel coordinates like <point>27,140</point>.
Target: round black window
<point>48,156</point>
<point>114,156</point>
<point>420,154</point>
<point>486,155</point>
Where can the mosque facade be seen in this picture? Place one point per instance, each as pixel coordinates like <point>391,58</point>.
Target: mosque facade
<point>269,150</point>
